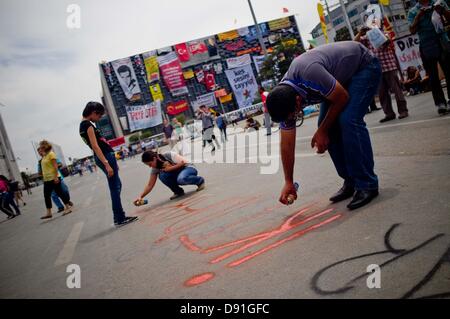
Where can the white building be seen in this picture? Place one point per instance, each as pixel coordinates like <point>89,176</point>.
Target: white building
<point>396,12</point>
<point>8,161</point>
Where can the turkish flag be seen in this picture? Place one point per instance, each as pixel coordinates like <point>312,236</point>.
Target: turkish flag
<point>285,10</point>
<point>182,52</point>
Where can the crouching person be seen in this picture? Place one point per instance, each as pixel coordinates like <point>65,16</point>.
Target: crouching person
<point>173,170</point>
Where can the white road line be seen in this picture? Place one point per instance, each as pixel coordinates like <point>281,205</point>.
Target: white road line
<point>66,254</point>
<point>409,123</point>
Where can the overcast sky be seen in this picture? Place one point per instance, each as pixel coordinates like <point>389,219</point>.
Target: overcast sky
<point>48,72</point>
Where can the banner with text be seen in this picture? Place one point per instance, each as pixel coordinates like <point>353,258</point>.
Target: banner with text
<point>151,66</point>
<point>156,92</point>
<point>172,74</point>
<point>408,54</point>
<point>239,61</point>
<point>175,108</point>
<point>209,100</point>
<point>144,116</point>
<point>244,85</point>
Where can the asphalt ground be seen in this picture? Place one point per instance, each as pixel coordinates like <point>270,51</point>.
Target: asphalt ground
<point>234,240</point>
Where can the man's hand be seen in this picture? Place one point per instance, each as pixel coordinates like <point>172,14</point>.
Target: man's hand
<point>288,189</point>
<point>56,180</point>
<point>320,140</point>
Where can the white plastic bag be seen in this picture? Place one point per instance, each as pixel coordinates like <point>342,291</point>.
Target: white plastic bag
<point>376,37</point>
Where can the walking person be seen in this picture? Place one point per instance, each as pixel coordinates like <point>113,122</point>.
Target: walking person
<point>9,194</point>
<point>208,127</point>
<point>173,170</point>
<point>168,131</point>
<point>389,78</point>
<point>4,198</point>
<point>344,78</point>
<point>105,159</point>
<point>17,193</point>
<point>431,50</point>
<point>52,181</point>
<point>267,120</point>
<point>222,125</point>
<point>55,198</point>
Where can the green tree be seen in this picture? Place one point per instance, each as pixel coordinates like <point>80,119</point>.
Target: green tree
<point>181,118</point>
<point>278,61</point>
<point>134,138</point>
<point>145,134</point>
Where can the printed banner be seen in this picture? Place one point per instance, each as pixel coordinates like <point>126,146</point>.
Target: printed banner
<point>323,22</point>
<point>253,33</point>
<point>373,16</point>
<point>239,61</point>
<point>197,47</point>
<point>172,74</point>
<point>408,54</point>
<point>164,50</point>
<point>182,51</point>
<point>259,61</point>
<point>282,23</point>
<point>244,85</point>
<point>144,116</point>
<point>188,74</point>
<point>156,92</point>
<point>175,108</point>
<point>243,31</point>
<point>209,100</point>
<point>212,47</point>
<point>235,45</point>
<point>151,66</point>
<point>210,81</point>
<point>230,35</point>
<point>127,78</point>
<point>226,98</point>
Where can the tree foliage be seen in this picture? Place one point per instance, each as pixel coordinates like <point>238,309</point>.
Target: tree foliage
<point>278,61</point>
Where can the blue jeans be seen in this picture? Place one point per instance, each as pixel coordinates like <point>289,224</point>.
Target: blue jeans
<point>55,197</point>
<point>186,176</point>
<point>350,147</point>
<point>115,186</point>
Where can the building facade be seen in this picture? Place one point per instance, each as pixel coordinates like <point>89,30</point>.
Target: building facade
<point>396,13</point>
<point>210,61</point>
<point>8,161</point>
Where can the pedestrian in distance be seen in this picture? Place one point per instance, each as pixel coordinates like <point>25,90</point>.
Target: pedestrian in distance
<point>52,181</point>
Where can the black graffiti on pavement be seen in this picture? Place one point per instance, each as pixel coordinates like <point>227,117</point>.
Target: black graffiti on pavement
<point>398,254</point>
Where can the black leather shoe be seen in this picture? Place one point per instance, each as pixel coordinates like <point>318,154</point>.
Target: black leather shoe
<point>387,118</point>
<point>344,193</point>
<point>362,198</point>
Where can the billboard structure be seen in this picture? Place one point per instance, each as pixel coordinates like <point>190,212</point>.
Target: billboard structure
<point>184,75</point>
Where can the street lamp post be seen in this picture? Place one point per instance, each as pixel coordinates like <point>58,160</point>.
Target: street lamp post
<point>258,31</point>
<point>347,20</point>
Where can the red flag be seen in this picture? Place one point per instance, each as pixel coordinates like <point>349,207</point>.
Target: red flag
<point>182,52</point>
<point>285,10</point>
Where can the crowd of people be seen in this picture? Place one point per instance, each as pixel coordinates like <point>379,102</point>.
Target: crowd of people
<point>344,78</point>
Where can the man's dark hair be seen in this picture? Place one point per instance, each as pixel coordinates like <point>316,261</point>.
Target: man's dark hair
<point>281,102</point>
<point>92,107</point>
<point>148,156</point>
<point>123,69</point>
